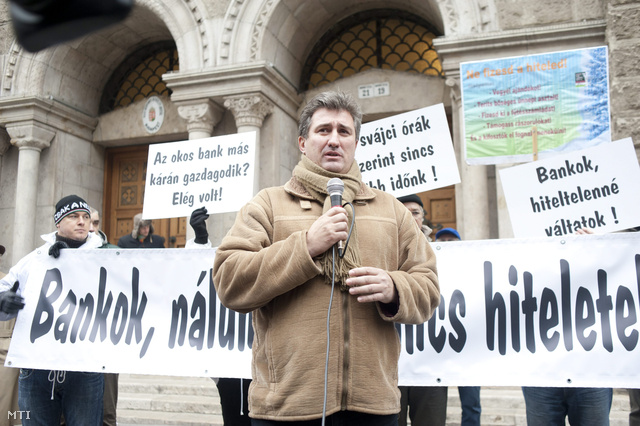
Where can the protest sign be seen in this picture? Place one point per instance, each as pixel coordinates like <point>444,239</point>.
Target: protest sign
<point>135,311</point>
<point>215,172</point>
<point>593,188</point>
<point>539,105</point>
<point>408,153</point>
<point>545,312</point>
<point>531,312</point>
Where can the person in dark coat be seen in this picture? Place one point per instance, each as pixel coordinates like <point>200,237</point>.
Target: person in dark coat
<point>141,236</point>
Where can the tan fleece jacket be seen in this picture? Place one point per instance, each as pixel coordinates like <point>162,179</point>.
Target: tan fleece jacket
<point>262,265</point>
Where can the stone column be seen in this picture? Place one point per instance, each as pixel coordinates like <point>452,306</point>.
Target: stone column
<point>472,195</point>
<point>249,110</point>
<point>31,139</point>
<point>201,118</point>
<point>4,147</point>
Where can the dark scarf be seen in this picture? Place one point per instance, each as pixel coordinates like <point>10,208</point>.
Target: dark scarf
<point>70,242</point>
<point>314,179</point>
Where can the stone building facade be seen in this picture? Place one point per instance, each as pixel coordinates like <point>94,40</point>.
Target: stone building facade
<point>242,65</point>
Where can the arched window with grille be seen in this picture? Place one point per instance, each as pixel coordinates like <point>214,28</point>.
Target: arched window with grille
<point>140,76</point>
<point>382,38</point>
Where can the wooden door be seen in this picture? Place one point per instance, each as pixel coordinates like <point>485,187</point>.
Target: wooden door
<point>440,205</point>
<point>126,170</point>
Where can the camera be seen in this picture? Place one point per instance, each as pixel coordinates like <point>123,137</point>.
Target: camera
<point>39,24</point>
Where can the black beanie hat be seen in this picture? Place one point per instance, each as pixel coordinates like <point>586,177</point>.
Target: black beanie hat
<point>68,205</point>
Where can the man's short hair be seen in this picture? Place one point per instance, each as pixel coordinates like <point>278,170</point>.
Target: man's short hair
<point>333,101</point>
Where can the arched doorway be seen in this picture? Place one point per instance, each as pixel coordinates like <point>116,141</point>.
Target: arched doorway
<point>137,78</point>
<point>126,170</point>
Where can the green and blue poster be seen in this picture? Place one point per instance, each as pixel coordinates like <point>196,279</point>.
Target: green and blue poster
<point>523,108</point>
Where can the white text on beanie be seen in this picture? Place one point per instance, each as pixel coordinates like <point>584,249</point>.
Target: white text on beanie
<point>68,205</point>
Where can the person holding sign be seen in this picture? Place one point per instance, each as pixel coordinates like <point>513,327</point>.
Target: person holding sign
<point>326,283</point>
<point>47,395</point>
<point>233,392</point>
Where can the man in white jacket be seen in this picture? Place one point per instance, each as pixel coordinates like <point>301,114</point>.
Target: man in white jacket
<point>46,395</point>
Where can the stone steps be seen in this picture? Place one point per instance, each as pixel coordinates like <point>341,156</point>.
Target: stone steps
<point>193,401</point>
<point>500,406</point>
<point>168,400</point>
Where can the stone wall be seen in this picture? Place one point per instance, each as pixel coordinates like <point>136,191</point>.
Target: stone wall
<point>523,14</point>
<point>623,39</point>
<point>527,13</point>
<point>282,36</point>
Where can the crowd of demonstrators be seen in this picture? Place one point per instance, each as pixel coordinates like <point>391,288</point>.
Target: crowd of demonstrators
<point>425,405</point>
<point>279,260</point>
<point>49,394</point>
<point>141,236</point>
<point>233,392</point>
<point>8,375</point>
<point>469,395</point>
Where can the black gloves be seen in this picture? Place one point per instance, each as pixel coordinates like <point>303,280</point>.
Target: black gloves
<point>54,250</point>
<point>10,302</point>
<point>199,225</point>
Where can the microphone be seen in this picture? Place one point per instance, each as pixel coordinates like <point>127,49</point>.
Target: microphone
<point>335,188</point>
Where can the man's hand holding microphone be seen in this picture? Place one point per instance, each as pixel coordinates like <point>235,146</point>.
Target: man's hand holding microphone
<point>369,284</point>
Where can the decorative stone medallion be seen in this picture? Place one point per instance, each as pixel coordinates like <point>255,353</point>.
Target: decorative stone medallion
<point>153,114</point>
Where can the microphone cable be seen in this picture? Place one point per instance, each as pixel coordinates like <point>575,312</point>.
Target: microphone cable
<point>333,286</point>
<point>353,220</point>
<point>326,361</point>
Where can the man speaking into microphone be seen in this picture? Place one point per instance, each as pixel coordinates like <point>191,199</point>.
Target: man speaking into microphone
<point>325,346</point>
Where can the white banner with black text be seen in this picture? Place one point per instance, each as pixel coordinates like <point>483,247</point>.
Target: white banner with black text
<point>543,312</point>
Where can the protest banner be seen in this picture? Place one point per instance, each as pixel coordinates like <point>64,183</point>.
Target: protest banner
<point>545,311</point>
<point>215,172</point>
<point>521,108</point>
<point>593,188</point>
<point>532,312</point>
<point>408,153</point>
<point>136,311</point>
